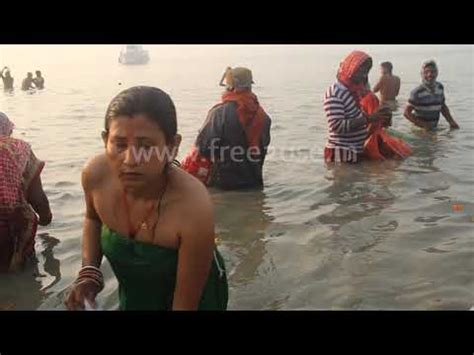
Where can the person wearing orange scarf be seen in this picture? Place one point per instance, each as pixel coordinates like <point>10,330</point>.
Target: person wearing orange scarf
<point>231,146</point>
<point>347,122</point>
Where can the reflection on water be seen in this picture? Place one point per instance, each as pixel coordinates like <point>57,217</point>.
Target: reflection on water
<point>357,192</point>
<point>28,288</point>
<point>242,223</point>
<point>51,265</point>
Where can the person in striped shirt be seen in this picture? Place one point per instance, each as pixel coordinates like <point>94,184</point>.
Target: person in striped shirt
<point>347,123</point>
<point>427,101</point>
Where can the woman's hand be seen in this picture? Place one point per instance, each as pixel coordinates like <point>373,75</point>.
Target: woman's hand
<point>387,121</point>
<point>79,293</point>
<point>384,114</point>
<point>45,219</point>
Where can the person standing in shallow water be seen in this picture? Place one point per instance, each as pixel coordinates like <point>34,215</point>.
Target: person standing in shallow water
<point>388,84</point>
<point>427,101</point>
<point>7,79</point>
<point>235,136</point>
<point>22,199</point>
<point>28,83</point>
<point>39,80</point>
<point>347,123</point>
<point>153,221</point>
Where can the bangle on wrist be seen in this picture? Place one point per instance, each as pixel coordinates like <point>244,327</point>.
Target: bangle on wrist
<point>90,273</point>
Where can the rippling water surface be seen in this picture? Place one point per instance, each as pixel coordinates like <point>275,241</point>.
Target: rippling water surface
<point>373,236</point>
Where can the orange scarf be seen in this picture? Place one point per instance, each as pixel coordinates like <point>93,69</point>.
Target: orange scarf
<point>251,114</point>
<point>380,145</point>
<point>348,68</point>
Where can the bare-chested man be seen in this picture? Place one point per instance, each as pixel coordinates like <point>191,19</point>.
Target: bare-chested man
<point>388,85</point>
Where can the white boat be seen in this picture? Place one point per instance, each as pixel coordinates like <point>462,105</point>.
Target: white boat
<point>134,55</point>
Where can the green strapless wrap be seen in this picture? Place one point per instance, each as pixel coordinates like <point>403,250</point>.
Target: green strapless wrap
<point>146,274</point>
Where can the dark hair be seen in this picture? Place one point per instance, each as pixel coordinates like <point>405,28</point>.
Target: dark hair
<point>368,62</point>
<point>38,72</point>
<point>387,65</point>
<point>150,101</point>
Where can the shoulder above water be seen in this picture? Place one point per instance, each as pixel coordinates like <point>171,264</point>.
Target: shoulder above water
<point>191,193</point>
<point>94,171</point>
<point>222,107</point>
<point>418,89</point>
<point>187,185</point>
<point>337,90</point>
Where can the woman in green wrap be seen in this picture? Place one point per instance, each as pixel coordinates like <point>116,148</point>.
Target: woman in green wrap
<point>152,221</point>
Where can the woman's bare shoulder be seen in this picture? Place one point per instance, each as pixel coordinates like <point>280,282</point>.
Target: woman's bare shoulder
<point>94,172</point>
<point>190,192</point>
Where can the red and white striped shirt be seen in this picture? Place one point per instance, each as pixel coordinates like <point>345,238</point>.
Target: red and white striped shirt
<point>341,107</point>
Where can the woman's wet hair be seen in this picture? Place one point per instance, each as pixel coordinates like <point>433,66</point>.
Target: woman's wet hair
<point>149,101</point>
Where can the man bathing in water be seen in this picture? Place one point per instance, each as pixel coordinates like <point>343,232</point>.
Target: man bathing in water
<point>28,82</point>
<point>388,85</point>
<point>427,101</point>
<point>39,80</point>
<point>7,79</point>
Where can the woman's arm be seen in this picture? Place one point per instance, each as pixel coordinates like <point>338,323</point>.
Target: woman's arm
<point>39,201</point>
<point>91,250</point>
<point>195,253</point>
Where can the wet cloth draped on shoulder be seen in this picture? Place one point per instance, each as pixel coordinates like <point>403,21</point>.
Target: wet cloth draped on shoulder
<point>251,116</point>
